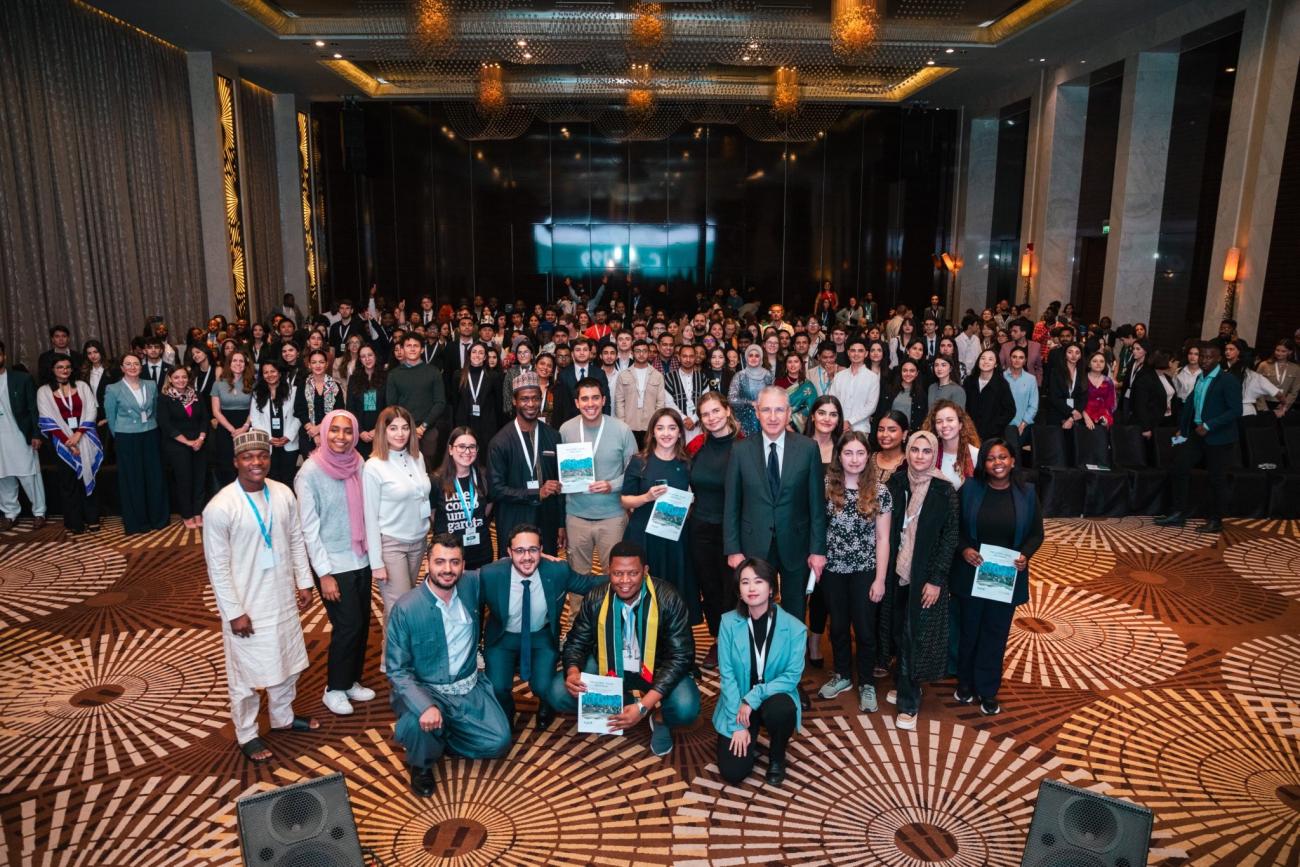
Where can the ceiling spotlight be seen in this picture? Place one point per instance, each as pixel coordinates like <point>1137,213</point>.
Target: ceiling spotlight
<point>338,56</point>
<point>522,43</point>
<point>320,43</point>
<point>1083,61</point>
<point>753,46</point>
<point>1042,60</point>
<point>930,62</point>
<point>745,57</point>
<point>1231,69</point>
<point>949,50</point>
<point>528,55</point>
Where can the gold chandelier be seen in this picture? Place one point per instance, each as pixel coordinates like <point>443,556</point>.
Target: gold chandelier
<point>431,25</point>
<point>855,24</point>
<point>785,94</point>
<point>491,90</point>
<point>641,95</point>
<point>647,32</point>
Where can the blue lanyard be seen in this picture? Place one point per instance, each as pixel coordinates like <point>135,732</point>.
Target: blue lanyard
<point>264,526</point>
<point>469,515</point>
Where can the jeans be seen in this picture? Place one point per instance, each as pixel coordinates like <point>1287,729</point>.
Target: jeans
<point>681,706</point>
<point>777,715</point>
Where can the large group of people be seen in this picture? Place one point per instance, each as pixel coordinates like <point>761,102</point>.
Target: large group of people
<point>846,471</point>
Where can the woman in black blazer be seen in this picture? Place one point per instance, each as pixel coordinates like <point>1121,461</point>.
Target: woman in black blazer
<point>1067,390</point>
<point>183,423</point>
<point>479,398</point>
<point>989,401</point>
<point>1144,398</point>
<point>915,404</point>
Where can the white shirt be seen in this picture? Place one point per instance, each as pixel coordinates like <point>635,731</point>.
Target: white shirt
<point>688,383</point>
<point>780,450</point>
<point>948,466</point>
<point>642,376</point>
<point>536,598</point>
<point>968,350</point>
<point>397,501</point>
<point>456,627</point>
<point>858,394</point>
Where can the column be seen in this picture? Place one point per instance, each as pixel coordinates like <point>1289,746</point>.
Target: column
<point>1137,197</point>
<point>977,223</point>
<point>289,192</point>
<point>1252,162</point>
<point>212,200</point>
<point>1055,223</point>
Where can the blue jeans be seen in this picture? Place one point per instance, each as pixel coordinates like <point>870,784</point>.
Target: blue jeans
<point>681,706</point>
<point>502,660</point>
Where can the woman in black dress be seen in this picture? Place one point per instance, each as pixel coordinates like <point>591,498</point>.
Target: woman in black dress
<point>183,422</point>
<point>479,401</point>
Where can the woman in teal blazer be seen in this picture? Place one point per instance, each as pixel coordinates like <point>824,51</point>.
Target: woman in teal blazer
<point>130,406</point>
<point>760,660</point>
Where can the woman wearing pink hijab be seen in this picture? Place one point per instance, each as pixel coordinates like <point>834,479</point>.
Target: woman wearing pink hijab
<point>332,508</point>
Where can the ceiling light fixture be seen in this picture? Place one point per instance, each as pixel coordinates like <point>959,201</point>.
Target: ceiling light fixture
<point>949,50</point>
<point>338,56</point>
<point>854,27</point>
<point>930,62</point>
<point>528,55</point>
<point>491,90</point>
<point>1231,69</point>
<point>785,94</point>
<point>430,26</point>
<point>320,43</point>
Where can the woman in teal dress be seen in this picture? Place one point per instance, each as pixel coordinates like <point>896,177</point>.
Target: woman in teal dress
<point>661,464</point>
<point>747,382</point>
<point>802,392</point>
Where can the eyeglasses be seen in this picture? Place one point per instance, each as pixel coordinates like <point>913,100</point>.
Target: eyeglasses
<point>469,447</point>
<point>524,552</point>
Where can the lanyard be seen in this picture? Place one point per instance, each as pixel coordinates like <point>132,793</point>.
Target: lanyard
<point>760,652</point>
<point>264,526</point>
<point>600,432</point>
<point>532,456</point>
<point>465,504</point>
<point>66,404</point>
<point>474,389</point>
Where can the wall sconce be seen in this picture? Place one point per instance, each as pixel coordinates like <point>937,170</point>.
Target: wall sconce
<point>1027,267</point>
<point>1231,265</point>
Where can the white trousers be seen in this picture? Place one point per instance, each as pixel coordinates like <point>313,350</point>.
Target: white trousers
<point>34,488</point>
<point>245,702</point>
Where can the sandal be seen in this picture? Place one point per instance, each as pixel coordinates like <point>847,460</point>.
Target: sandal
<point>252,748</point>
<point>299,724</point>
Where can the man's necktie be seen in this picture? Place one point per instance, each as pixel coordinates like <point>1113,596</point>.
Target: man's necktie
<point>773,472</point>
<point>526,633</point>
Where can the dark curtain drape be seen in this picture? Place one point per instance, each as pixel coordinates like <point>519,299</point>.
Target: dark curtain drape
<point>99,214</point>
<point>261,201</point>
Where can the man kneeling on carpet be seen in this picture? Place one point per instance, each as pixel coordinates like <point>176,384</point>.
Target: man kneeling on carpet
<point>257,563</point>
<point>440,701</point>
<point>635,628</point>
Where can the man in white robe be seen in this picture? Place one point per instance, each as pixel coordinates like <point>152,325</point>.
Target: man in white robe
<point>258,566</point>
<point>19,447</point>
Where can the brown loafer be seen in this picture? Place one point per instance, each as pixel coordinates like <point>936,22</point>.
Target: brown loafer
<point>6,523</point>
<point>37,523</point>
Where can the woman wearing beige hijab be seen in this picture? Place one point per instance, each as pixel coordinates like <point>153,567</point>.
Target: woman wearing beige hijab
<point>924,538</point>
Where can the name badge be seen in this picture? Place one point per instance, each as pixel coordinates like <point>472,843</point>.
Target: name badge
<point>73,423</point>
<point>265,557</point>
<point>475,411</point>
<point>470,538</point>
<point>144,415</point>
<point>534,485</point>
<point>425,509</point>
<point>277,426</point>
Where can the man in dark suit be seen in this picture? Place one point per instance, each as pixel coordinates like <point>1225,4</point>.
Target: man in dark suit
<point>775,502</point>
<point>60,344</point>
<point>566,382</point>
<point>20,442</point>
<point>526,594</point>
<point>936,311</point>
<point>455,355</point>
<point>1207,431</point>
<point>154,367</point>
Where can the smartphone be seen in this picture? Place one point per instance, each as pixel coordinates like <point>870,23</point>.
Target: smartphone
<point>663,482</point>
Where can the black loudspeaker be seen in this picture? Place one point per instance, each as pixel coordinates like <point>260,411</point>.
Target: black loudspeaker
<point>307,824</point>
<point>1073,827</point>
<point>352,123</point>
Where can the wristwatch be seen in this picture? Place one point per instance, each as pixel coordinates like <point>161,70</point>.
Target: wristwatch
<point>641,709</point>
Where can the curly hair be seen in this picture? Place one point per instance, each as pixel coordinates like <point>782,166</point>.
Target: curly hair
<point>868,490</point>
<point>967,439</point>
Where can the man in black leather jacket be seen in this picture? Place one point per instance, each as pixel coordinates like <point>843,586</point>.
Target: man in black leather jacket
<point>636,628</point>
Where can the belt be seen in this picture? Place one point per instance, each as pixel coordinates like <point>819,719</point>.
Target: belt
<point>456,687</point>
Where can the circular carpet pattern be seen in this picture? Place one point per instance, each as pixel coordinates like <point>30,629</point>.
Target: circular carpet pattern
<point>1073,639</point>
<point>39,579</point>
<point>174,535</point>
<point>1124,534</point>
<point>1265,675</point>
<point>1223,781</point>
<point>81,708</point>
<point>1271,563</point>
<point>944,793</point>
<point>1070,564</point>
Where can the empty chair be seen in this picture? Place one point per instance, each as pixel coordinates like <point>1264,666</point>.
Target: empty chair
<point>1061,488</point>
<point>1248,495</point>
<point>1147,485</point>
<point>1105,490</point>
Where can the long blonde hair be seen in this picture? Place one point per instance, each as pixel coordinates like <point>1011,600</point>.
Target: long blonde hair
<point>868,490</point>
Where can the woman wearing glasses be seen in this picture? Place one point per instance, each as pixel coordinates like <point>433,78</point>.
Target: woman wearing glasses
<point>459,498</point>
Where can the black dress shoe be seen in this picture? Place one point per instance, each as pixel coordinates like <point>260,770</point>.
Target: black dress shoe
<point>1174,519</point>
<point>819,662</point>
<point>775,772</point>
<point>6,523</point>
<point>38,523</point>
<point>1214,525</point>
<point>422,781</point>
<point>545,716</point>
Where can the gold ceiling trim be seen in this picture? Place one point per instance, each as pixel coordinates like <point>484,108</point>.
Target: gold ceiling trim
<point>916,82</point>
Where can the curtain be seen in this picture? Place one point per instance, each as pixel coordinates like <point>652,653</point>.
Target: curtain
<point>99,213</point>
<point>258,186</point>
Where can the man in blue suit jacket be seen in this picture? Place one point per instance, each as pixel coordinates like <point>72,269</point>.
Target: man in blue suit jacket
<point>439,699</point>
<point>1207,430</point>
<point>525,593</point>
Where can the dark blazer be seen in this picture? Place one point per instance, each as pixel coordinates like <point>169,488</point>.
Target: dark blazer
<point>795,522</point>
<point>1029,535</point>
<point>566,392</point>
<point>172,419</point>
<point>486,424</point>
<point>557,580</point>
<point>1220,413</point>
<point>991,409</point>
<point>1145,406</point>
<point>339,333</point>
<point>920,403</point>
<point>451,366</point>
<point>22,399</point>
<point>1055,410</point>
<point>164,370</point>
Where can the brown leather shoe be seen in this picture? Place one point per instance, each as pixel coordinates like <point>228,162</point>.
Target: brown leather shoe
<point>37,523</point>
<point>6,523</point>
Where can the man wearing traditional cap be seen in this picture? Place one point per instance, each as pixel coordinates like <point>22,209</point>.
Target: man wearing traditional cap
<point>258,566</point>
<point>522,471</point>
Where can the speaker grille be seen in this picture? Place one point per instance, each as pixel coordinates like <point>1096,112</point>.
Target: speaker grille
<point>1074,827</point>
<point>315,855</point>
<point>1069,859</point>
<point>1090,825</point>
<point>297,816</point>
<point>307,824</point>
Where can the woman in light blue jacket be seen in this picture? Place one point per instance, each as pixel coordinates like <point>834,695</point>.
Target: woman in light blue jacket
<point>129,409</point>
<point>760,660</point>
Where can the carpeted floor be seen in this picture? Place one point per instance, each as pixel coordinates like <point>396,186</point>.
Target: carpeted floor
<point>1155,665</point>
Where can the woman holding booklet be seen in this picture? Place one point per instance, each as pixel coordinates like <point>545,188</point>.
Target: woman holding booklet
<point>1001,529</point>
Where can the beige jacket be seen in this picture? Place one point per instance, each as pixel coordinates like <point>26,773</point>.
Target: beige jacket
<point>630,406</point>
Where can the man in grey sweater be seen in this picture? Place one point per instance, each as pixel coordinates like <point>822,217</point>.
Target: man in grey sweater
<point>417,386</point>
<point>596,518</point>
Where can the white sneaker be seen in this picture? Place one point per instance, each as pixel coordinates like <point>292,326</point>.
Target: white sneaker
<point>360,693</point>
<point>905,721</point>
<point>337,702</point>
<point>892,696</point>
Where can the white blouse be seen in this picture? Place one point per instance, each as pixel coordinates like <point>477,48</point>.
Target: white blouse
<point>397,501</point>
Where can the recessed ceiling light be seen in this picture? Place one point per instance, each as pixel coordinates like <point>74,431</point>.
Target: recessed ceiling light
<point>753,46</point>
<point>1042,60</point>
<point>528,55</point>
<point>744,57</point>
<point>522,42</point>
<point>1083,61</point>
<point>1231,69</point>
<point>320,43</point>
<point>338,56</point>
<point>930,62</point>
<point>949,50</point>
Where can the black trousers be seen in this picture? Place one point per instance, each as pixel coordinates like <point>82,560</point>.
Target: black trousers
<point>1217,460</point>
<point>909,691</point>
<point>140,482</point>
<point>792,580</point>
<point>985,625</point>
<point>777,715</point>
<point>189,476</point>
<point>284,465</point>
<point>79,509</point>
<point>350,628</point>
<point>849,602</point>
<point>717,586</point>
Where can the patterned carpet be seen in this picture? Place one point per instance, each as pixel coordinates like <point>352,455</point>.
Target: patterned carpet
<point>1155,665</point>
